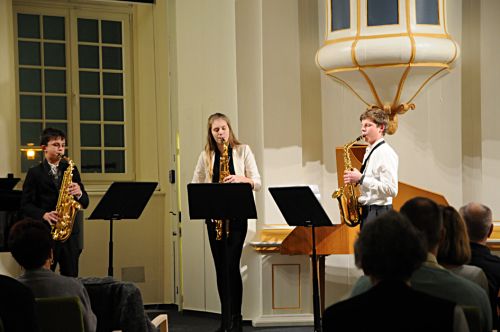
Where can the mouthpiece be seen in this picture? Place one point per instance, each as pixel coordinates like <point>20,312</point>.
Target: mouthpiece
<point>62,157</point>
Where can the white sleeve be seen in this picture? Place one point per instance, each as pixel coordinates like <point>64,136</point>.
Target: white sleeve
<point>251,170</point>
<point>200,171</point>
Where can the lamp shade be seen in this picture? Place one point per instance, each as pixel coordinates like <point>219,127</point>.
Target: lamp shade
<point>387,51</point>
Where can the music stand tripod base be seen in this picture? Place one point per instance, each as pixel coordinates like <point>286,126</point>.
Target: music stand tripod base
<point>122,200</point>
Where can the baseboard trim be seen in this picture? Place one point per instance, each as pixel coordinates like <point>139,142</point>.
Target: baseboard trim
<point>283,320</point>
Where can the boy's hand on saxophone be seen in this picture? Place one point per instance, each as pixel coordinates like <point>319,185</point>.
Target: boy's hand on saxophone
<point>75,190</point>
<point>51,217</point>
<point>352,176</point>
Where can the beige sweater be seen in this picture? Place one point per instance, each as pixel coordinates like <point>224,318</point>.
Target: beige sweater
<point>243,161</point>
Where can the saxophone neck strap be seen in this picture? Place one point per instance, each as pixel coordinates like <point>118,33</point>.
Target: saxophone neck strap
<point>216,165</point>
<point>230,156</point>
<point>362,170</point>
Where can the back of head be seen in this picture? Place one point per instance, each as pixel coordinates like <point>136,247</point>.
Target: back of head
<point>454,249</point>
<point>425,215</point>
<point>30,243</point>
<point>51,133</point>
<point>478,218</point>
<point>389,248</point>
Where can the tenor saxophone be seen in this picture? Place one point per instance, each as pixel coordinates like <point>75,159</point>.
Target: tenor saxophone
<point>223,172</point>
<point>66,207</point>
<point>347,196</point>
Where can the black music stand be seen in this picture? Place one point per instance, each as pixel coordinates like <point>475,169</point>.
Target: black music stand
<point>122,200</point>
<point>205,200</point>
<point>222,201</point>
<point>300,207</point>
<point>10,213</point>
<point>8,183</point>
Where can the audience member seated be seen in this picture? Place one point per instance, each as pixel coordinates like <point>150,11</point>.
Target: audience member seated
<point>432,278</point>
<point>31,246</point>
<point>388,250</point>
<point>454,249</point>
<point>479,221</point>
<point>17,306</point>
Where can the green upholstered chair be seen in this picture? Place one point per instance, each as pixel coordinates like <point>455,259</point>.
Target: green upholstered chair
<point>59,314</point>
<point>472,315</point>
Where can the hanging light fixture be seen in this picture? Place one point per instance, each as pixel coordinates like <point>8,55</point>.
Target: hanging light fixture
<point>30,151</point>
<point>387,51</point>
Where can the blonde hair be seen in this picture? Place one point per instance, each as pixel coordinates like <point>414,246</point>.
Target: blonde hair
<point>211,143</point>
<point>454,249</point>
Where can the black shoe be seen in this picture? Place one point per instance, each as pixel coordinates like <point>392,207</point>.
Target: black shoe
<point>221,329</point>
<point>237,324</point>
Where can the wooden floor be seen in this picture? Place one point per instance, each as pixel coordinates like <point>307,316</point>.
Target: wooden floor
<point>195,321</point>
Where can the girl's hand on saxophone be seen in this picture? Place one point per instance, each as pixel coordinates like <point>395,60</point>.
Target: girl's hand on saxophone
<point>353,176</point>
<point>237,179</point>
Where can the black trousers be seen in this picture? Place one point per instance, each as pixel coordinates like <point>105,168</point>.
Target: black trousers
<point>227,254</point>
<point>371,212</point>
<point>67,255</point>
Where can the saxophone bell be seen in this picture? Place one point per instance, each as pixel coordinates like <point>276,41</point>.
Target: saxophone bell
<point>66,207</point>
<point>347,195</point>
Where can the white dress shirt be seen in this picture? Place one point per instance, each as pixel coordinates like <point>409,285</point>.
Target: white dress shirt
<point>380,181</point>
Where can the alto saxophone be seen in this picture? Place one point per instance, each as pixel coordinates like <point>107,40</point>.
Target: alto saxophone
<point>66,207</point>
<point>223,172</point>
<point>347,196</point>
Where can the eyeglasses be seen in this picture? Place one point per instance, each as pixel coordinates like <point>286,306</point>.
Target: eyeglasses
<point>57,145</point>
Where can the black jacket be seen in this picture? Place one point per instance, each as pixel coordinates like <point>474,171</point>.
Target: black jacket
<point>40,193</point>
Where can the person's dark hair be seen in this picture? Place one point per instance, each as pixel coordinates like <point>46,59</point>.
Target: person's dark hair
<point>30,243</point>
<point>454,249</point>
<point>51,133</point>
<point>378,116</point>
<point>389,248</point>
<point>425,215</point>
<point>478,218</point>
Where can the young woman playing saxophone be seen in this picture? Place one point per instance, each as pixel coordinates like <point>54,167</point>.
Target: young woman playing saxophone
<point>242,169</point>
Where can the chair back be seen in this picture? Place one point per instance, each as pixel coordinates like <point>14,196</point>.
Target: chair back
<point>59,314</point>
<point>117,305</point>
<point>472,315</point>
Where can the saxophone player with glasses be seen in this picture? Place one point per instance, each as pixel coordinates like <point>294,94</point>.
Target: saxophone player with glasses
<point>43,189</point>
<point>226,160</point>
<point>378,176</point>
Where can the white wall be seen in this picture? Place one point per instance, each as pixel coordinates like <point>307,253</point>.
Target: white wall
<point>206,83</point>
<point>490,99</point>
<point>7,92</point>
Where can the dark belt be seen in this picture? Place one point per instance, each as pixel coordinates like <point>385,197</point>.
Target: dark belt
<point>368,208</point>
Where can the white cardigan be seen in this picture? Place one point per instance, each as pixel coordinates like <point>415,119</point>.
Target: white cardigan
<point>243,161</point>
